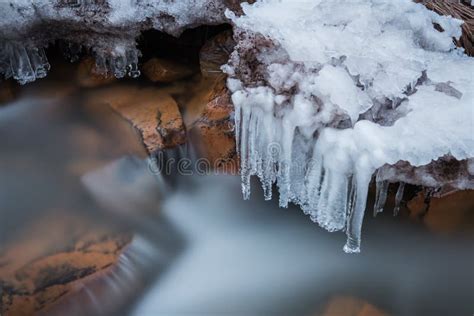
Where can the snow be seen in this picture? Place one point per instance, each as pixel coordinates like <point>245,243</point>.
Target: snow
<point>342,89</point>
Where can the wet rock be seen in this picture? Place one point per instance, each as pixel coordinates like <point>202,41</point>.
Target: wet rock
<point>214,130</point>
<point>6,92</point>
<point>164,70</point>
<point>351,306</point>
<point>449,213</point>
<point>215,53</point>
<point>50,258</point>
<point>88,75</point>
<point>154,113</point>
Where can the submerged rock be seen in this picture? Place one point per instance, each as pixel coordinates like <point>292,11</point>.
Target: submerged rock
<point>350,306</point>
<point>45,264</point>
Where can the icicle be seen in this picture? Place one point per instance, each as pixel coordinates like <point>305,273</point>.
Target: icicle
<point>356,216</point>
<point>332,203</point>
<point>244,152</point>
<point>380,196</point>
<point>39,62</point>
<point>132,63</point>
<point>119,63</point>
<point>314,180</point>
<point>21,66</point>
<point>25,63</point>
<point>284,164</point>
<point>398,198</point>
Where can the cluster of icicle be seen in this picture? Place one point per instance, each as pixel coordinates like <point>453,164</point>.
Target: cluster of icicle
<point>27,62</point>
<point>328,92</point>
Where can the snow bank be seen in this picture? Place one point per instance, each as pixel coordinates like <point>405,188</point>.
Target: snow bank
<point>327,92</point>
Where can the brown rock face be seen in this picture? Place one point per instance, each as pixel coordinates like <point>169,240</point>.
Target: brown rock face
<point>214,128</point>
<point>6,92</point>
<point>88,76</point>
<point>49,260</point>
<point>445,214</point>
<point>153,112</point>
<point>215,53</point>
<point>164,70</point>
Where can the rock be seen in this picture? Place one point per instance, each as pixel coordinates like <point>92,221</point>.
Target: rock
<point>6,92</point>
<point>350,306</point>
<point>449,213</point>
<point>44,264</point>
<point>164,70</point>
<point>154,113</point>
<point>215,53</point>
<point>214,130</point>
<point>461,10</point>
<point>88,76</point>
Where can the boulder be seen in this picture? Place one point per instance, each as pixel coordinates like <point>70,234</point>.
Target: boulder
<point>153,112</point>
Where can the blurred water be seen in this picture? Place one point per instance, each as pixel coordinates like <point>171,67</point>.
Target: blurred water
<point>252,258</point>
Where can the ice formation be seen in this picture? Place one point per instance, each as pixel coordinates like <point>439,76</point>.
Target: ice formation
<point>107,28</point>
<point>328,92</point>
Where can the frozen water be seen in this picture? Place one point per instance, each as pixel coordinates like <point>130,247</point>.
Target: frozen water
<point>330,91</point>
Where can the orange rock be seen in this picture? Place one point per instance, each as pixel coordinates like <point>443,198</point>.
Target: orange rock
<point>50,256</point>
<point>350,306</point>
<point>153,112</point>
<point>87,75</point>
<point>214,130</point>
<point>164,70</point>
<point>450,213</point>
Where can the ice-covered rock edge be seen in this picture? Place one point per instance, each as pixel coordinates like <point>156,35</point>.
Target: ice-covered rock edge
<point>326,93</point>
<point>107,29</point>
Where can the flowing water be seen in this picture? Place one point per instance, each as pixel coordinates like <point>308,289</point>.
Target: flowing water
<point>198,248</point>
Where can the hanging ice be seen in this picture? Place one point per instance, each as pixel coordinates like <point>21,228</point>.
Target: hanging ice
<point>327,92</point>
<point>24,62</point>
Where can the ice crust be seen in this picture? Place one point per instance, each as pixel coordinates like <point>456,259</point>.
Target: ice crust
<point>328,92</point>
<point>108,28</point>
